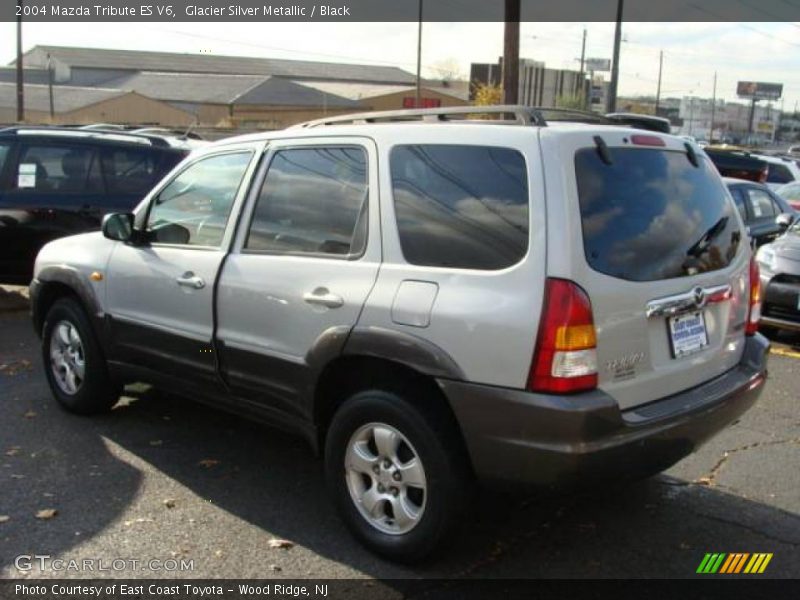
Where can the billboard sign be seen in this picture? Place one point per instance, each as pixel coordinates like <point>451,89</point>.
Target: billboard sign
<point>598,64</point>
<point>758,90</point>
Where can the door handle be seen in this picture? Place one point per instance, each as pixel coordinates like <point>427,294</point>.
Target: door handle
<point>322,297</point>
<point>191,280</point>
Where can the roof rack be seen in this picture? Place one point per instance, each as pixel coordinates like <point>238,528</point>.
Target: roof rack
<point>505,115</point>
<point>511,115</point>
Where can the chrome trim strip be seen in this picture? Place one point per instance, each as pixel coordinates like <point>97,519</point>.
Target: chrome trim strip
<point>694,299</point>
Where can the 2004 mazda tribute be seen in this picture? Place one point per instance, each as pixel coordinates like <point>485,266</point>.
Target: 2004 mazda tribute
<point>430,302</point>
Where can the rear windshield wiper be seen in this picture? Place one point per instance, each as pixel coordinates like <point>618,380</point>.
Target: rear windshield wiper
<point>701,245</point>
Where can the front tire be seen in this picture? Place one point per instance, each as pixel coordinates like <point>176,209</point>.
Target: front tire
<point>398,474</point>
<point>74,363</point>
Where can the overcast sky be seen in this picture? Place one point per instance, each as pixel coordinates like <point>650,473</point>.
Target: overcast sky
<point>692,51</point>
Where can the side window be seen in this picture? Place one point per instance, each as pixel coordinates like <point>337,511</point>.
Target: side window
<point>738,199</point>
<point>779,174</point>
<point>761,205</point>
<point>193,209</point>
<point>63,168</point>
<point>791,192</point>
<point>460,206</point>
<point>313,201</point>
<point>5,150</point>
<point>130,170</point>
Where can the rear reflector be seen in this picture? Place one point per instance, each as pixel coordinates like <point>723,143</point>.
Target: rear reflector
<point>754,309</point>
<point>565,358</point>
<point>647,140</point>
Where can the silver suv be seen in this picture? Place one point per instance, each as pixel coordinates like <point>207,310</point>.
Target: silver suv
<point>430,299</point>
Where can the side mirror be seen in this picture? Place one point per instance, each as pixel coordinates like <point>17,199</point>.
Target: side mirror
<point>118,226</point>
<point>784,220</point>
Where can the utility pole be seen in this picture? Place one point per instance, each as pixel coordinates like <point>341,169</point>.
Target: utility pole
<point>660,69</point>
<point>511,53</point>
<point>582,77</point>
<point>614,83</point>
<point>20,88</point>
<point>713,109</point>
<point>418,102</point>
<point>50,87</point>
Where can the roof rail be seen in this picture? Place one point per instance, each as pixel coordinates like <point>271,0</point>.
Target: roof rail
<point>519,115</point>
<point>114,134</point>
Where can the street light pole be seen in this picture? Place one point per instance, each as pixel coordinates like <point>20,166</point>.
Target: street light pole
<point>713,109</point>
<point>582,76</point>
<point>614,83</point>
<point>660,69</point>
<point>418,101</point>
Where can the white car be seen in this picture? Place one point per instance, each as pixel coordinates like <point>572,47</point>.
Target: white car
<point>781,170</point>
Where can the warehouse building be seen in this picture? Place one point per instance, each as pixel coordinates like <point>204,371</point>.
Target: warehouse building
<point>237,92</point>
<point>75,105</point>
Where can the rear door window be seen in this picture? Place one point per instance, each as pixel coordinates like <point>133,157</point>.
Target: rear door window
<point>59,169</point>
<point>314,202</point>
<point>460,206</point>
<point>652,215</point>
<point>761,204</point>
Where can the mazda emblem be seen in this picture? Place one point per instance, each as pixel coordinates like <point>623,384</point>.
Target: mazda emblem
<point>699,297</point>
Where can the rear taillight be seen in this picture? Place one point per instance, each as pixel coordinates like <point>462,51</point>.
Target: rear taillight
<point>754,308</point>
<point>565,359</point>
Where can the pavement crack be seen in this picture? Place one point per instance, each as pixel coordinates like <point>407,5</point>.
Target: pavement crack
<point>710,479</point>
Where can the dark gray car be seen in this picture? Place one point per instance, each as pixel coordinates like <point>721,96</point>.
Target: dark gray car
<point>780,280</point>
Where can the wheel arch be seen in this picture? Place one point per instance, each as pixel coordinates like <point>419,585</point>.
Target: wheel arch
<point>54,283</point>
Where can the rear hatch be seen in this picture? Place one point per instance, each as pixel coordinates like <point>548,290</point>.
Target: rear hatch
<point>643,222</point>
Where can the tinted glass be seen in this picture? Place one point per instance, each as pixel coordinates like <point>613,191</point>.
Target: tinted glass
<point>738,200</point>
<point>460,206</point>
<point>779,174</point>
<point>652,215</point>
<point>313,201</point>
<point>4,149</point>
<point>194,207</point>
<point>761,204</point>
<point>62,169</point>
<point>130,170</point>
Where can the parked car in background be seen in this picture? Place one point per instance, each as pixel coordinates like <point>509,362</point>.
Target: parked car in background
<point>737,164</point>
<point>780,278</point>
<point>780,170</point>
<point>648,122</point>
<point>791,193</point>
<point>759,208</point>
<point>57,181</point>
<point>428,303</point>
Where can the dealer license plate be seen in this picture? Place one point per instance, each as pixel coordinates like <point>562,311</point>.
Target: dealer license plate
<point>687,334</point>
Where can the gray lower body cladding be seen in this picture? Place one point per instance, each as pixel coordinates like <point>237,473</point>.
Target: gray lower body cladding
<point>515,436</point>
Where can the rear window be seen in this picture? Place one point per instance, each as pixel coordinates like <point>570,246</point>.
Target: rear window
<point>779,174</point>
<point>463,207</point>
<point>652,215</point>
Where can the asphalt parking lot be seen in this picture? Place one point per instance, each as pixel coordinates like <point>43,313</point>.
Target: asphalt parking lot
<point>161,478</point>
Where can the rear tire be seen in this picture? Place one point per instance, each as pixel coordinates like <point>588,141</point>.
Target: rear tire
<point>398,474</point>
<point>73,360</point>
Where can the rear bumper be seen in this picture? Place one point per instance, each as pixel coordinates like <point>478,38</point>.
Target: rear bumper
<point>519,437</point>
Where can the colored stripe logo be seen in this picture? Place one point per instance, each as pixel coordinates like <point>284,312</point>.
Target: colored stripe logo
<point>734,563</point>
